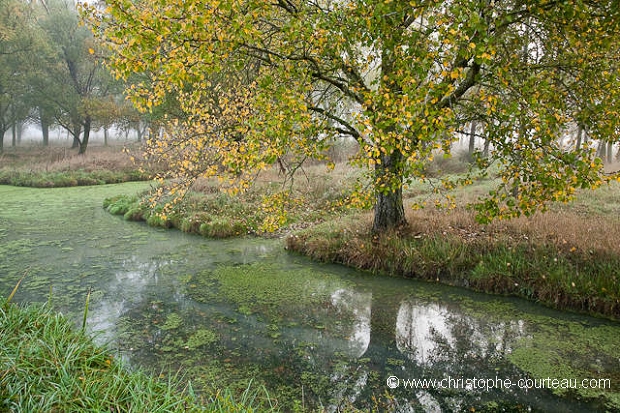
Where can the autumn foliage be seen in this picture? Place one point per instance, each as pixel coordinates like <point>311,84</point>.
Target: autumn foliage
<point>247,84</point>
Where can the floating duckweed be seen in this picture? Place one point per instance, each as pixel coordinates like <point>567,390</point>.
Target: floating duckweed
<point>202,337</point>
<point>172,322</point>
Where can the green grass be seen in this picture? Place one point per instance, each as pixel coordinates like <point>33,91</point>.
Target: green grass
<point>48,365</point>
<point>217,214</point>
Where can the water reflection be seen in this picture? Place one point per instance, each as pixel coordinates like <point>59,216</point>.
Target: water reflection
<point>431,333</point>
<point>358,305</point>
<point>442,343</point>
<point>124,290</point>
<point>227,312</point>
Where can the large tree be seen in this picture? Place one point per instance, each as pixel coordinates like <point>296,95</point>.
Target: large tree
<point>401,77</point>
<point>69,82</point>
<point>16,42</point>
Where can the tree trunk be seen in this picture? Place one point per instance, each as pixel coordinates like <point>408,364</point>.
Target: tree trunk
<point>20,132</point>
<point>472,139</point>
<point>389,209</point>
<point>141,129</point>
<point>485,149</point>
<point>84,142</point>
<point>601,153</point>
<point>45,130</point>
<point>45,127</point>
<point>579,137</point>
<point>77,130</point>
<point>14,134</point>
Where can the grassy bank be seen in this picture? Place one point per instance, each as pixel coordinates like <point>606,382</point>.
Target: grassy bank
<point>48,167</point>
<point>261,210</point>
<point>47,365</point>
<point>563,259</point>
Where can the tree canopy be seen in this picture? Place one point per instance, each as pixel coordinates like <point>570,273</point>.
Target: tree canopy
<point>256,80</point>
<point>47,73</point>
<point>15,42</point>
<point>70,80</point>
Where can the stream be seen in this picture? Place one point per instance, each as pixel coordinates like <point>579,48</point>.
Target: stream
<point>245,313</point>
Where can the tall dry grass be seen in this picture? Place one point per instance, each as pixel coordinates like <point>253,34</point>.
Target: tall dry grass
<point>58,159</point>
<point>566,230</point>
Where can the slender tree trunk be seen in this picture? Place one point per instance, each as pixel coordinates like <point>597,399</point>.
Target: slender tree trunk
<point>45,127</point>
<point>45,130</point>
<point>105,136</point>
<point>77,130</point>
<point>579,137</point>
<point>14,134</point>
<point>472,139</point>
<point>84,142</point>
<point>610,152</point>
<point>601,153</point>
<point>389,209</point>
<point>141,129</point>
<point>19,130</point>
<point>485,149</point>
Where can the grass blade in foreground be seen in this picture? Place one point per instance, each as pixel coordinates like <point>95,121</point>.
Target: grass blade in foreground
<point>49,365</point>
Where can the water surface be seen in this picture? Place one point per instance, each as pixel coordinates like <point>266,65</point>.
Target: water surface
<point>234,312</point>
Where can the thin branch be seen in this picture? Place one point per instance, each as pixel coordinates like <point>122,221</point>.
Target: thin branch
<point>347,128</point>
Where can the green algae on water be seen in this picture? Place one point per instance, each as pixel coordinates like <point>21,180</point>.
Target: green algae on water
<point>173,321</point>
<point>202,337</point>
<point>261,285</point>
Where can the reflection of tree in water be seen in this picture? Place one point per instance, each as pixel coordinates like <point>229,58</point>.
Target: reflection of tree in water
<point>444,343</point>
<point>420,340</point>
<point>433,335</point>
<point>358,308</point>
<point>127,291</point>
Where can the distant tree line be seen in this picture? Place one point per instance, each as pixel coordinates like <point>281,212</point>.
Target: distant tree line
<point>51,75</point>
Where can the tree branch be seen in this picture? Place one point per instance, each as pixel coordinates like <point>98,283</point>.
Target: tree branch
<point>347,128</point>
<point>464,86</point>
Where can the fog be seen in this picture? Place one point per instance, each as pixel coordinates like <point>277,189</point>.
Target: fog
<point>32,135</point>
